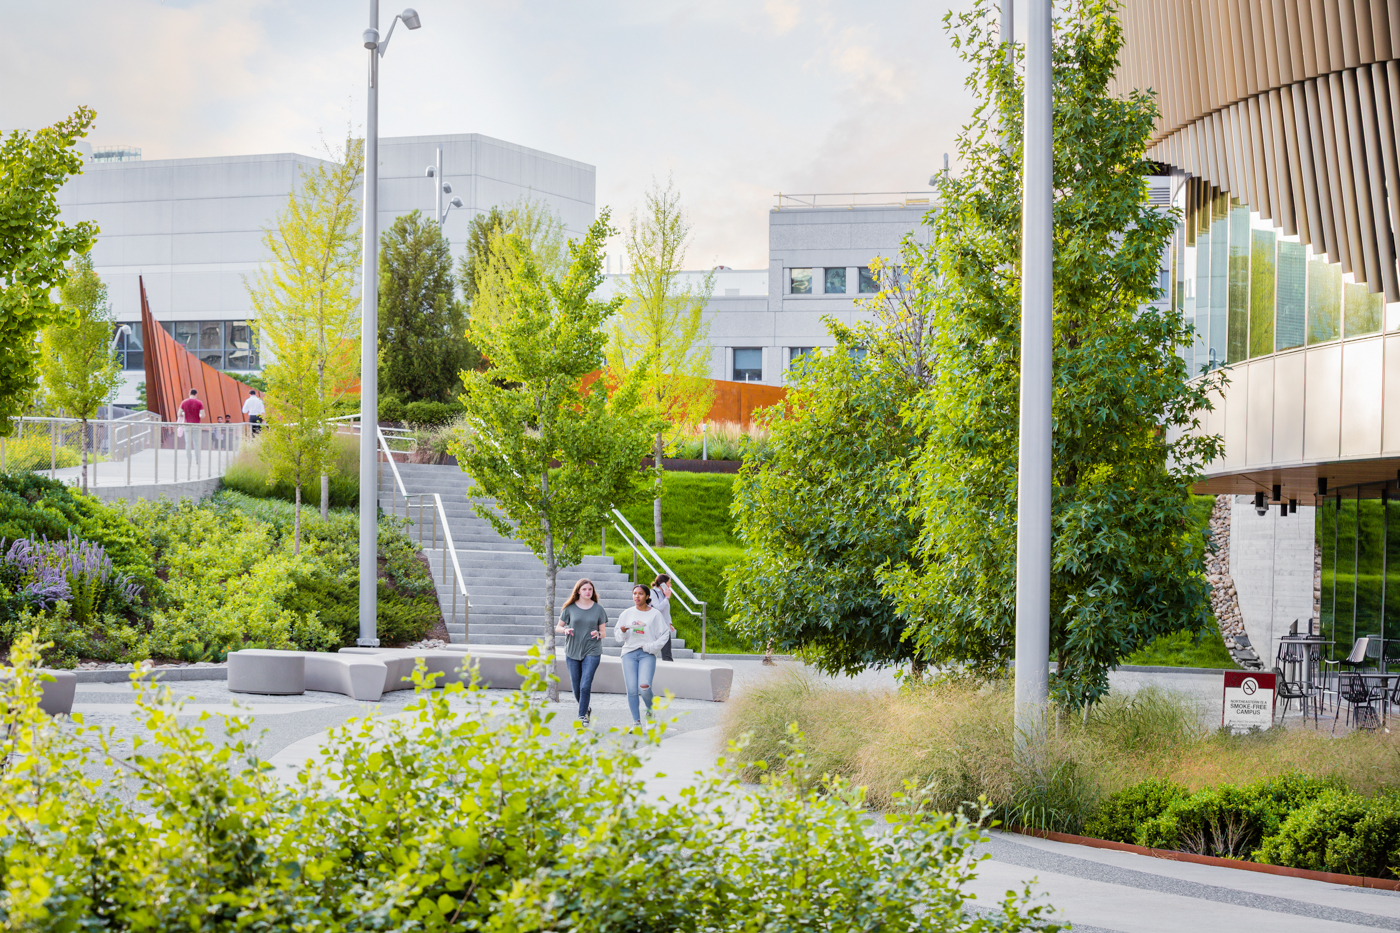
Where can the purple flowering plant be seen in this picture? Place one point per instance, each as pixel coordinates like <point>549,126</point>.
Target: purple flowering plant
<point>37,573</point>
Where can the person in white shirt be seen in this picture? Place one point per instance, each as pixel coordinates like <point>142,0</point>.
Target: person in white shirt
<point>254,409</point>
<point>642,632</point>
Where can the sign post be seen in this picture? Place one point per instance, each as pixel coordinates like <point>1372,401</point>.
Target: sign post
<point>1249,701</point>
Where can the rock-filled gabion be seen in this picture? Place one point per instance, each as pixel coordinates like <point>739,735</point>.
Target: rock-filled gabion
<point>1224,601</point>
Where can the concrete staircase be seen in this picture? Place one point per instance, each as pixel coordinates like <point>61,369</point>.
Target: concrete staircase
<point>504,580</point>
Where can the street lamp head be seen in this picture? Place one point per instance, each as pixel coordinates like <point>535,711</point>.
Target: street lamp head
<point>410,18</point>
<point>430,172</point>
<point>447,187</point>
<point>371,37</point>
<point>456,202</point>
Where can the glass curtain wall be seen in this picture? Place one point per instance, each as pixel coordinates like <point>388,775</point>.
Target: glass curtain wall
<point>1359,543</point>
<point>1251,291</point>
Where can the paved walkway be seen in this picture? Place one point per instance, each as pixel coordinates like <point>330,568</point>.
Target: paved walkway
<point>1097,890</point>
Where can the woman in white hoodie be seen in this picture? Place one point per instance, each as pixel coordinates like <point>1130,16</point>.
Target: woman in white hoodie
<point>642,632</point>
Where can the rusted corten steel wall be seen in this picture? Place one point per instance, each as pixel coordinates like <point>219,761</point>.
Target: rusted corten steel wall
<point>171,371</point>
<point>1292,106</point>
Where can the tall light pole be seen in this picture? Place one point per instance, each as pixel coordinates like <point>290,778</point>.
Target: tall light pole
<point>369,337</point>
<point>440,188</point>
<point>1033,477</point>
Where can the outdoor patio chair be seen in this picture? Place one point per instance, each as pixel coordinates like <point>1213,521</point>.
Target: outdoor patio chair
<point>1290,690</point>
<point>1360,700</point>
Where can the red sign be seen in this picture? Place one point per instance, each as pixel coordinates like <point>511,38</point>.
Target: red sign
<point>1249,700</point>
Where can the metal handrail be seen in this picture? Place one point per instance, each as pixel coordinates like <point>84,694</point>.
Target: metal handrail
<point>215,444</point>
<point>633,539</point>
<point>403,435</point>
<point>459,581</point>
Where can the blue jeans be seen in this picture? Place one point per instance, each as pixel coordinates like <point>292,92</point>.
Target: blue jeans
<point>581,673</point>
<point>638,668</point>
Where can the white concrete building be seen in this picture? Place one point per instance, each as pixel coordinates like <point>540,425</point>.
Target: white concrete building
<point>192,228</point>
<point>819,253</point>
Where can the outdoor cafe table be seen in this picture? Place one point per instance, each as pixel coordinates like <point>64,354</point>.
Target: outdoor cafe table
<point>1302,651</point>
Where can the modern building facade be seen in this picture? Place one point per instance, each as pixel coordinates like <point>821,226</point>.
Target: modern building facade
<point>820,250</point>
<point>1280,124</point>
<point>192,229</point>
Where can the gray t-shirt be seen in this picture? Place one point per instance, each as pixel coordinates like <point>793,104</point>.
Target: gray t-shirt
<point>581,644</point>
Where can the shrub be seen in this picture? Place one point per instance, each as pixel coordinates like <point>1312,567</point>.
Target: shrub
<point>391,408</point>
<point>1339,832</point>
<point>1121,815</point>
<point>106,637</point>
<point>37,453</point>
<point>430,413</point>
<point>1230,821</point>
<point>428,821</point>
<point>248,474</point>
<point>722,440</point>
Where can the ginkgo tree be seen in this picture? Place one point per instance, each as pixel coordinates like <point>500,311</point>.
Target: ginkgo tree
<point>78,361</point>
<point>551,446</point>
<point>34,247</point>
<point>308,318</point>
<point>661,321</point>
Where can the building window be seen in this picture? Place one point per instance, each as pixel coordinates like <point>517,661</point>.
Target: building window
<point>869,285</point>
<point>221,344</point>
<point>800,281</point>
<point>796,353</point>
<point>748,364</point>
<point>836,281</point>
<point>129,348</point>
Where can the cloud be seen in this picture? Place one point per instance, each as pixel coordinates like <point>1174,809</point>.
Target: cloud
<point>737,100</point>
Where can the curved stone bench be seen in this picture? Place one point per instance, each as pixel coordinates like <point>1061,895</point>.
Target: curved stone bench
<point>404,661</point>
<point>688,680</point>
<point>274,672</point>
<point>266,671</point>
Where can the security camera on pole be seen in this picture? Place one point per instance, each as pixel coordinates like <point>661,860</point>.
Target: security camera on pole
<point>435,171</point>
<point>369,340</point>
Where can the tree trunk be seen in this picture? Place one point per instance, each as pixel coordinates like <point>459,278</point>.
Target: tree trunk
<point>656,504</point>
<point>325,497</point>
<point>296,523</point>
<point>551,577</point>
<point>82,440</point>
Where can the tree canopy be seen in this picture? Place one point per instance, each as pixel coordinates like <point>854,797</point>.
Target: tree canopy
<point>553,453</point>
<point>422,326</point>
<point>34,247</point>
<point>1126,565</point>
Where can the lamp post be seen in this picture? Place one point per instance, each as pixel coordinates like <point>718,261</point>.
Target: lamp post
<point>369,337</point>
<point>439,189</point>
<point>1033,475</point>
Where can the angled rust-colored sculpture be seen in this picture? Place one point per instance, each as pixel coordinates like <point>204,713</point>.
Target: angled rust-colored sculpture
<point>171,371</point>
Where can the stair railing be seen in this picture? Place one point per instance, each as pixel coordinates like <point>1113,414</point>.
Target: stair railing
<point>457,582</point>
<point>639,546</point>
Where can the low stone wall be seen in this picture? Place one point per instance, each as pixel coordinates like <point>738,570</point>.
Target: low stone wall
<point>190,489</point>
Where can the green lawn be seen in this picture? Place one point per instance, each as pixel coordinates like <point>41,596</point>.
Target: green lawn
<point>700,544</point>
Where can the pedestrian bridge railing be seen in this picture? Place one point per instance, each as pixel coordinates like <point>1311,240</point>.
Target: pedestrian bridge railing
<point>134,450</point>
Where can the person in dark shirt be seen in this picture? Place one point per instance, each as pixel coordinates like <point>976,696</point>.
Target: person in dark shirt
<point>585,622</point>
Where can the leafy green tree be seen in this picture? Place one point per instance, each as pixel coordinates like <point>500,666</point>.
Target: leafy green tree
<point>34,248</point>
<point>422,326</point>
<point>77,361</point>
<point>493,250</point>
<point>553,454</point>
<point>1126,565</point>
<point>662,321</point>
<point>308,311</point>
<point>472,267</point>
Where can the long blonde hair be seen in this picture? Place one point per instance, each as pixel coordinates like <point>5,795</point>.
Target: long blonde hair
<point>573,596</point>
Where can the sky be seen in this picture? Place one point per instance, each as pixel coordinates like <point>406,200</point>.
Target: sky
<point>733,100</point>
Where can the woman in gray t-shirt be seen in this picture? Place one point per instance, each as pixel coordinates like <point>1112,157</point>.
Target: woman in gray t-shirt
<point>584,622</point>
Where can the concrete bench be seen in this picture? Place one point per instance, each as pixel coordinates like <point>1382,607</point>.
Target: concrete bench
<point>403,661</point>
<point>272,672</point>
<point>688,680</point>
